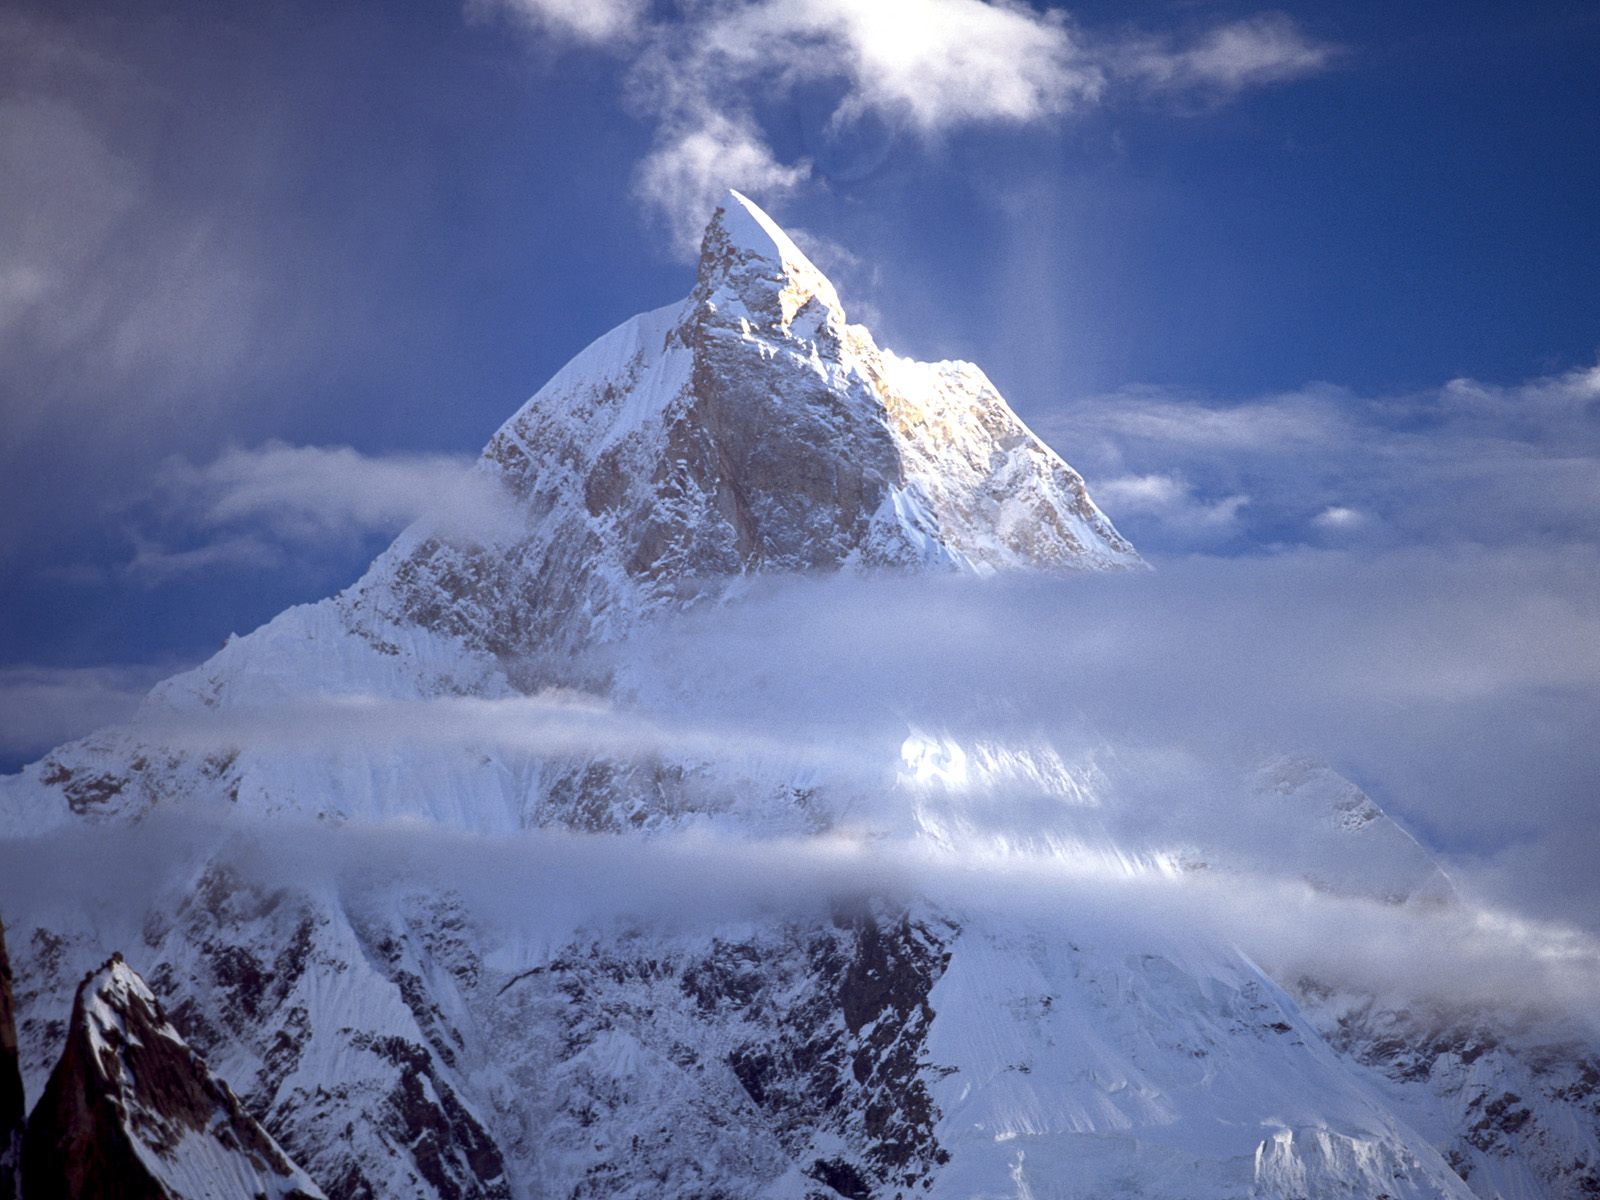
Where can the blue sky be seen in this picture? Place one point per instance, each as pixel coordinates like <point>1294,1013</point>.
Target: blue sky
<point>1300,279</point>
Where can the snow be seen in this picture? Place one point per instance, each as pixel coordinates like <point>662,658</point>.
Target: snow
<point>749,429</point>
<point>219,1160</point>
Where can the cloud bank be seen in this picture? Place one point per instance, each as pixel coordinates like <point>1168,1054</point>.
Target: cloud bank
<point>256,508</point>
<point>1468,462</point>
<point>1459,685</point>
<point>549,887</point>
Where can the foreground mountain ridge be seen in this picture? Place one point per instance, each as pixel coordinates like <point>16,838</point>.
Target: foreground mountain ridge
<point>397,1042</point>
<point>131,1111</point>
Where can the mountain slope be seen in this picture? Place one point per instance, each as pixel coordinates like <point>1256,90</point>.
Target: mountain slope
<point>402,1034</point>
<point>13,1110</point>
<point>132,1112</point>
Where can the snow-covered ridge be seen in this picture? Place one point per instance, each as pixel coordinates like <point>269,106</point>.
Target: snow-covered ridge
<point>131,1109</point>
<point>397,1045</point>
<point>750,428</point>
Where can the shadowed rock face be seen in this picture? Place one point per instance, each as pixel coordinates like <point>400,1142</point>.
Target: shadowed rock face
<point>12,1110</point>
<point>750,428</point>
<point>798,1048</point>
<point>132,1113</point>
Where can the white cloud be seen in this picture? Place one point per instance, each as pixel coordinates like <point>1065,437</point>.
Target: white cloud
<point>931,64</point>
<point>689,170</point>
<point>1264,49</point>
<point>1339,517</point>
<point>1151,414</point>
<point>926,66</point>
<point>1171,500</point>
<point>315,491</point>
<point>1467,461</point>
<point>154,565</point>
<point>1141,493</point>
<point>594,21</point>
<point>254,509</point>
<point>41,707</point>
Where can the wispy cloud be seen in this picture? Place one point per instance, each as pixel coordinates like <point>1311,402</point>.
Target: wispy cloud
<point>547,886</point>
<point>1468,461</point>
<point>592,21</point>
<point>690,167</point>
<point>1264,49</point>
<point>41,707</point>
<point>125,299</point>
<point>250,508</point>
<point>925,67</point>
<point>154,565</point>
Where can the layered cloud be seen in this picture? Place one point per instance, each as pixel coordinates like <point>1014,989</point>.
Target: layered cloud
<point>256,508</point>
<point>41,707</point>
<point>1466,462</point>
<point>548,886</point>
<point>1458,683</point>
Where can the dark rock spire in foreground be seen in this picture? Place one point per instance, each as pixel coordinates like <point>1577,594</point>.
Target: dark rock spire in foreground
<point>131,1112</point>
<point>13,1111</point>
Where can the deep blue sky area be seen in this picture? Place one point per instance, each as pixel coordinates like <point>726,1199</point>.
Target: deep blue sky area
<point>384,225</point>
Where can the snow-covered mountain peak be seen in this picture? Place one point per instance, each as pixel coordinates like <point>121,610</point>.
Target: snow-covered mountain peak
<point>748,429</point>
<point>749,263</point>
<point>745,430</point>
<point>402,1036</point>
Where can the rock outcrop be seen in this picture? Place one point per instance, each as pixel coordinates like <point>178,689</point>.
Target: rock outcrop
<point>13,1109</point>
<point>132,1113</point>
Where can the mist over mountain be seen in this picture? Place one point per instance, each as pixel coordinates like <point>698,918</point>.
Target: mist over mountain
<point>660,815</point>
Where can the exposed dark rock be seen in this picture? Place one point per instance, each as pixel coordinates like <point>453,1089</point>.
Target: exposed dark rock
<point>850,1057</point>
<point>453,1152</point>
<point>131,1112</point>
<point>13,1111</point>
<point>841,1177</point>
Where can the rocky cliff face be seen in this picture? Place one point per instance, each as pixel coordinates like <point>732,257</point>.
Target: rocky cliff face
<point>13,1111</point>
<point>751,428</point>
<point>399,1041</point>
<point>132,1113</point>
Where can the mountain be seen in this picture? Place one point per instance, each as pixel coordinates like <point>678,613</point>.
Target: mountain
<point>484,695</point>
<point>13,1110</point>
<point>749,429</point>
<point>132,1112</point>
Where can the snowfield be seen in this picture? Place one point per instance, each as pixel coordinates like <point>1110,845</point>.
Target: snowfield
<point>867,1026</point>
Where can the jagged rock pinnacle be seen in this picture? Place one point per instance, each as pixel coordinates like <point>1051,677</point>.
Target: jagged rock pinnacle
<point>132,1113</point>
<point>13,1110</point>
<point>747,258</point>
